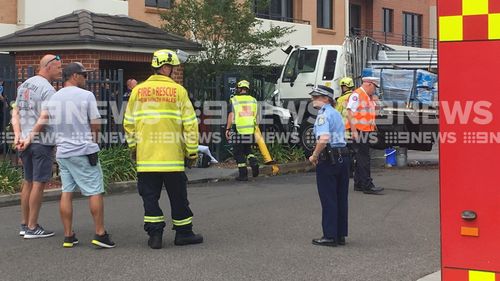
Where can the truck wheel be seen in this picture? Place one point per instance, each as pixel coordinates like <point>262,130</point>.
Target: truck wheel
<point>307,139</point>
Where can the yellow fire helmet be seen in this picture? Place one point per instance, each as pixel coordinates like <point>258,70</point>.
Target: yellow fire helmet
<point>162,57</point>
<point>244,84</point>
<point>346,81</point>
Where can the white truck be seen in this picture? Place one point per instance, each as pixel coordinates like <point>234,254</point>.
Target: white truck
<point>402,119</point>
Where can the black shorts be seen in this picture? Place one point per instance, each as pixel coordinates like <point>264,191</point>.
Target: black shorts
<point>37,162</point>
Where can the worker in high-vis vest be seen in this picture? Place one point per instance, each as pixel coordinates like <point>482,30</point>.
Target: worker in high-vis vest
<point>361,124</point>
<point>162,129</point>
<point>240,129</point>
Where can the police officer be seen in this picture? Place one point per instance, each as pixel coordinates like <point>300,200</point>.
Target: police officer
<point>162,128</point>
<point>361,124</point>
<point>243,112</point>
<point>331,158</point>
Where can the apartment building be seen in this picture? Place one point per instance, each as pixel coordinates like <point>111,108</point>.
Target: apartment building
<point>19,14</point>
<point>410,23</point>
<point>396,22</point>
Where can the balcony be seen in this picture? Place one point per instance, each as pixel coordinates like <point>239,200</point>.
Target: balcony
<point>396,39</point>
<point>281,18</point>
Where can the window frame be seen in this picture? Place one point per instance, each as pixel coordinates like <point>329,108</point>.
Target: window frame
<point>285,12</point>
<point>414,20</point>
<point>289,69</point>
<point>168,4</point>
<point>390,13</point>
<point>320,10</point>
<point>328,64</point>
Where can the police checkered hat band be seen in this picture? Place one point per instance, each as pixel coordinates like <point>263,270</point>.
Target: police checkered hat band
<point>321,90</point>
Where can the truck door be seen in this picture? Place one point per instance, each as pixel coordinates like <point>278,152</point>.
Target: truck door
<point>299,74</point>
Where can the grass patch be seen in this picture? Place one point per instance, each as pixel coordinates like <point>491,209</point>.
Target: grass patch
<point>283,153</point>
<point>117,165</point>
<point>10,178</point>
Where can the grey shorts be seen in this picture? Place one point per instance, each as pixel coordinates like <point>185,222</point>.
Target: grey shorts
<point>37,162</point>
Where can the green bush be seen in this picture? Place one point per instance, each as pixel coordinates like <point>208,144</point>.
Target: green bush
<point>10,178</point>
<point>117,165</point>
<point>283,153</point>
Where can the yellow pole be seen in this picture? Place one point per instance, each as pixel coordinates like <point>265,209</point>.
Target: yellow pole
<point>262,147</point>
<point>268,160</point>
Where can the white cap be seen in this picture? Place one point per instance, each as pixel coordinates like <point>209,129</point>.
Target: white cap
<point>371,79</point>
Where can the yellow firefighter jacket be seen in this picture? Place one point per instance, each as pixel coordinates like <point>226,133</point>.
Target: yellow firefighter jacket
<point>160,123</point>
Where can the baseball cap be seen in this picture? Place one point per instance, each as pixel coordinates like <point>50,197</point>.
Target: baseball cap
<point>72,68</point>
<point>371,79</point>
<point>321,90</point>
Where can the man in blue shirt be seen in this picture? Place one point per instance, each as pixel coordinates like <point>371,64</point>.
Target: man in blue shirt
<point>331,158</point>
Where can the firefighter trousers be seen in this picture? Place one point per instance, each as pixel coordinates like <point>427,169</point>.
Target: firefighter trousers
<point>242,149</point>
<point>150,185</point>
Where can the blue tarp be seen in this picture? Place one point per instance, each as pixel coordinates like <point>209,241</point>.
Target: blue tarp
<point>398,84</point>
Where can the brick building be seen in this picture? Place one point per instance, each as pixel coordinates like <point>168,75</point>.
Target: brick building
<point>99,41</point>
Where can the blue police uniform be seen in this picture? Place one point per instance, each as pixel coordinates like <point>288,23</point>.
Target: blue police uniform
<point>333,178</point>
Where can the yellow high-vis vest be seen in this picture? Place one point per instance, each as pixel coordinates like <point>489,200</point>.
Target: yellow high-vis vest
<point>161,124</point>
<point>245,114</point>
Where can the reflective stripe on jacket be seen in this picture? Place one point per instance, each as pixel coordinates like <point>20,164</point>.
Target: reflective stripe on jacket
<point>245,114</point>
<point>341,105</point>
<point>364,117</point>
<point>161,124</point>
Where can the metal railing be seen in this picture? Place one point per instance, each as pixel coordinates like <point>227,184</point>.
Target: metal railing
<point>281,18</point>
<point>395,38</point>
<point>107,85</point>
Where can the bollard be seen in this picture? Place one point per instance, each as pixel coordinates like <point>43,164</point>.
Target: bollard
<point>402,156</point>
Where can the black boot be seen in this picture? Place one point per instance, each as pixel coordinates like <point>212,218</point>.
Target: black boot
<point>255,166</point>
<point>155,241</point>
<point>187,237</point>
<point>243,176</point>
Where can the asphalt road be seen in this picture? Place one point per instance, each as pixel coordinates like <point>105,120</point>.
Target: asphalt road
<point>260,230</point>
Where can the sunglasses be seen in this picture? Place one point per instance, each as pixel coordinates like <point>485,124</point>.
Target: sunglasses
<point>57,58</point>
<point>84,74</point>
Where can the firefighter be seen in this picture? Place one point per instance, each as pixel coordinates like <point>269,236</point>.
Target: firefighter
<point>162,129</point>
<point>346,85</point>
<point>243,112</point>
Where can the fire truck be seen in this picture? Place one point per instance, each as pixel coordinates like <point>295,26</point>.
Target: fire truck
<point>469,45</point>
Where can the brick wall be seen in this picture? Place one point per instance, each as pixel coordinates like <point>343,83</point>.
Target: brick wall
<point>8,12</point>
<point>90,59</point>
<point>421,7</point>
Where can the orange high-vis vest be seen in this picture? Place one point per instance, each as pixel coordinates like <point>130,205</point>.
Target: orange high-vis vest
<point>364,117</point>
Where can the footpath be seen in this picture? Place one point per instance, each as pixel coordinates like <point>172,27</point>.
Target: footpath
<point>416,159</point>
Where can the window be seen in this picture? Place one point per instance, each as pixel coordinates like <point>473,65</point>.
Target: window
<point>325,14</point>
<point>305,62</point>
<point>330,63</point>
<point>412,30</point>
<point>165,4</point>
<point>355,19</point>
<point>281,10</point>
<point>388,20</point>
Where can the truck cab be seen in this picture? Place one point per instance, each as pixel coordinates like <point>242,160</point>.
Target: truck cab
<point>308,66</point>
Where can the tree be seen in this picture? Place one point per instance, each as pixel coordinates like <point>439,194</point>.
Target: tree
<point>227,29</point>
